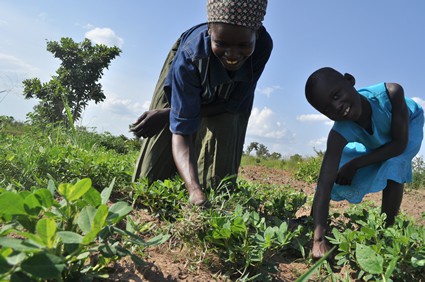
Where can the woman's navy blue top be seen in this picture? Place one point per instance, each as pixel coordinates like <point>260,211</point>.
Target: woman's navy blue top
<point>197,77</point>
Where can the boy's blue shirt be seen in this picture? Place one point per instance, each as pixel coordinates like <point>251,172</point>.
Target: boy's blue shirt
<point>197,78</point>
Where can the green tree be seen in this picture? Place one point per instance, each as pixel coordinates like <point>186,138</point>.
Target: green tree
<point>75,83</point>
<point>262,151</point>
<point>275,156</point>
<point>252,146</point>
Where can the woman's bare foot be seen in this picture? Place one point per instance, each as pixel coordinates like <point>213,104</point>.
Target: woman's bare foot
<point>320,248</point>
<point>197,197</point>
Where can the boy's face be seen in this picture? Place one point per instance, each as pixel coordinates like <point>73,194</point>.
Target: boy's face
<point>232,45</point>
<point>336,98</point>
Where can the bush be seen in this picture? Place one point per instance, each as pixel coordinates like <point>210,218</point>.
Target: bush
<point>308,170</point>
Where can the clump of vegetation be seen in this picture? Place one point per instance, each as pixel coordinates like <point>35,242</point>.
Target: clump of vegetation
<point>55,186</point>
<point>418,165</point>
<point>68,232</point>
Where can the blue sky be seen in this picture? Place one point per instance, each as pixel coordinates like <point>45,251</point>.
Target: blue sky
<point>376,41</point>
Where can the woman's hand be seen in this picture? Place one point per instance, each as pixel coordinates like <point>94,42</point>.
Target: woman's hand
<point>150,123</point>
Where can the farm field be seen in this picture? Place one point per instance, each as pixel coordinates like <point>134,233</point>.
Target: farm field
<point>69,212</point>
<point>167,264</point>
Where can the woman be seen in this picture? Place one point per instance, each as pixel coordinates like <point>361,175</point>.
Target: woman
<point>198,117</point>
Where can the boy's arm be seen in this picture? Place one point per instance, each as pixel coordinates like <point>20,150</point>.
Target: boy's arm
<point>399,135</point>
<point>327,176</point>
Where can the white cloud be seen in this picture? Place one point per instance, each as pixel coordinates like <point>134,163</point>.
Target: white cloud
<point>124,107</point>
<point>267,91</point>
<point>262,124</point>
<point>312,118</point>
<point>420,101</point>
<point>10,63</point>
<point>104,36</point>
<point>319,143</point>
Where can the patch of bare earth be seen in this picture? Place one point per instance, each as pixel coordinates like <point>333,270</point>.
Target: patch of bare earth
<point>168,263</point>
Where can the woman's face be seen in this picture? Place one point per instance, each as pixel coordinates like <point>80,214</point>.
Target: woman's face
<point>232,45</point>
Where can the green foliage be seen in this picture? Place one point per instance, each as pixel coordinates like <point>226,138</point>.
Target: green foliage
<point>377,253</point>
<point>162,198</point>
<point>68,232</point>
<point>245,240</point>
<point>34,157</point>
<point>10,125</point>
<point>418,181</point>
<point>308,170</point>
<point>75,83</point>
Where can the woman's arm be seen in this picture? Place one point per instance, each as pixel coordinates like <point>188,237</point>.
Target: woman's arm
<point>150,122</point>
<point>327,176</point>
<point>399,137</point>
<point>186,163</point>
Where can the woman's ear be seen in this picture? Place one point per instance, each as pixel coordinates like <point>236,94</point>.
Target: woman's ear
<point>350,78</point>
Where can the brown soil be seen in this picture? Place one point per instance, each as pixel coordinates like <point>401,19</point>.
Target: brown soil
<point>168,263</point>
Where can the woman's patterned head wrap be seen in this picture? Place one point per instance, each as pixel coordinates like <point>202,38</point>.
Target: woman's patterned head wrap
<point>246,13</point>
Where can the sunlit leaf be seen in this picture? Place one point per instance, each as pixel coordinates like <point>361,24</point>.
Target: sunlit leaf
<point>68,237</point>
<point>118,210</point>
<point>46,230</point>
<point>369,260</point>
<point>11,204</point>
<point>85,218</point>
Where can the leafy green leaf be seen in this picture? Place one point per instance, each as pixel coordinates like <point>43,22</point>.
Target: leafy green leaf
<point>85,218</point>
<point>18,244</point>
<point>238,225</point>
<point>100,217</point>
<point>418,262</point>
<point>390,269</point>
<point>32,205</point>
<point>19,277</point>
<point>11,204</point>
<point>92,197</point>
<point>157,240</point>
<point>369,260</point>
<point>4,266</point>
<point>45,197</point>
<point>68,237</point>
<point>46,229</point>
<point>117,211</point>
<point>106,193</point>
<point>44,265</point>
<point>90,236</point>
<point>74,192</point>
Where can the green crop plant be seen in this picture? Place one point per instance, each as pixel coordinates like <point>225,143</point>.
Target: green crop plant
<point>163,198</point>
<point>64,233</point>
<point>245,242</point>
<point>377,253</point>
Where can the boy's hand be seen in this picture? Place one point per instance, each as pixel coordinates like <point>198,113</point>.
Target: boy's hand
<point>150,123</point>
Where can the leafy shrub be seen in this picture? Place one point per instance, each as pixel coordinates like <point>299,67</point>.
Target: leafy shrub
<point>418,177</point>
<point>28,160</point>
<point>163,198</point>
<point>245,241</point>
<point>72,239</point>
<point>308,170</point>
<point>376,253</point>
